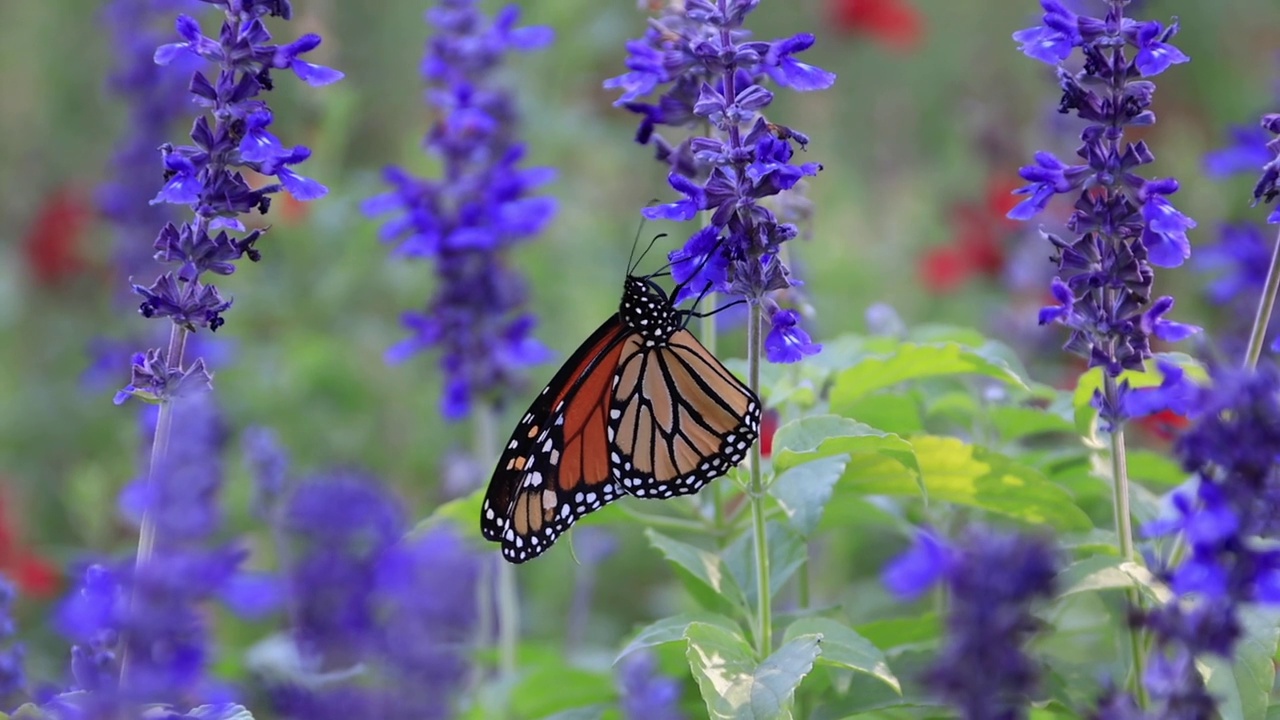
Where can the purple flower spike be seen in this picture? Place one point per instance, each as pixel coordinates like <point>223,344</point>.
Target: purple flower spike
<point>12,678</point>
<point>993,579</point>
<point>467,220</point>
<point>230,136</point>
<point>1232,507</point>
<point>708,71</point>
<point>1122,225</point>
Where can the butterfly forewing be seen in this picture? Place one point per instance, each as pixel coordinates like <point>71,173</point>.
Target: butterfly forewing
<point>516,464</point>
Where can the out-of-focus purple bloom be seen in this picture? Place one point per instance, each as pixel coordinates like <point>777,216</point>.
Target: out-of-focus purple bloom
<point>208,175</point>
<point>154,610</point>
<point>1122,223</point>
<point>1232,447</point>
<point>646,693</point>
<point>155,97</point>
<point>382,620</point>
<point>467,220</point>
<point>1240,259</point>
<point>920,568</point>
<point>712,74</point>
<point>1246,153</point>
<point>268,464</point>
<point>12,678</point>
<point>993,578</point>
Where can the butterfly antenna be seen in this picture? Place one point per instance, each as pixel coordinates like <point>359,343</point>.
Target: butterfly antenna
<point>632,260</point>
<point>632,268</point>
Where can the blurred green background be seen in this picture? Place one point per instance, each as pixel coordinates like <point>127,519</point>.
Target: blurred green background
<point>910,132</point>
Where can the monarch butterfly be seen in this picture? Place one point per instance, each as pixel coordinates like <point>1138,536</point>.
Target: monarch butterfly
<point>641,408</point>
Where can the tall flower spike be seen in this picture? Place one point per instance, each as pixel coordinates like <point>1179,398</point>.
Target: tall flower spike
<point>1268,187</point>
<point>155,612</point>
<point>468,220</point>
<point>1226,521</point>
<point>1123,224</point>
<point>208,175</point>
<point>992,578</point>
<point>712,77</point>
<point>381,619</point>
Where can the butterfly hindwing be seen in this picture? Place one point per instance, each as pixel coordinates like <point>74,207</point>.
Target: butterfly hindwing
<point>680,418</point>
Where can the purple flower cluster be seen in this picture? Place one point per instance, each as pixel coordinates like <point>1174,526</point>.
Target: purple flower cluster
<point>1231,448</point>
<point>12,678</point>
<point>153,612</point>
<point>207,175</point>
<point>713,76</point>
<point>1123,223</point>
<point>381,621</point>
<point>646,693</point>
<point>467,220</point>
<point>992,580</point>
<point>156,97</point>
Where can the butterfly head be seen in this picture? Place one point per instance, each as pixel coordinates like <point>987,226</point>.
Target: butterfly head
<point>647,310</point>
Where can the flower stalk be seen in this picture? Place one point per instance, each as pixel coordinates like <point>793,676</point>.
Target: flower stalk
<point>759,498</point>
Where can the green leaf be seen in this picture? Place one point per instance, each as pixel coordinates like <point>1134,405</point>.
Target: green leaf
<point>672,629</point>
<point>556,687</point>
<point>1016,422</point>
<point>733,686</point>
<point>705,568</point>
<point>910,361</point>
<point>591,712</point>
<point>787,552</point>
<point>463,512</point>
<point>842,647</point>
<point>804,490</point>
<point>826,435</point>
<point>1155,468</point>
<point>902,632</point>
<point>1104,572</point>
<point>1244,687</point>
<point>891,412</point>
<point>955,472</point>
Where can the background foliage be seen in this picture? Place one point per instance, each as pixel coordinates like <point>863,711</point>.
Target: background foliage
<point>912,134</point>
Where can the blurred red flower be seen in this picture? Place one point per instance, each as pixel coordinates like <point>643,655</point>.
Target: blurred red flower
<point>33,575</point>
<point>1165,425</point>
<point>51,244</point>
<point>768,426</point>
<point>896,23</point>
<point>977,247</point>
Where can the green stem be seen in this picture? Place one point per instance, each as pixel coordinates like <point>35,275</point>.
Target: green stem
<point>159,450</point>
<point>507,591</point>
<point>1265,305</point>
<point>1124,531</point>
<point>764,600</point>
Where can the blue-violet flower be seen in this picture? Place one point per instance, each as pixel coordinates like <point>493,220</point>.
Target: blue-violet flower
<point>1122,223</point>
<point>993,578</point>
<point>467,220</point>
<point>712,77</point>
